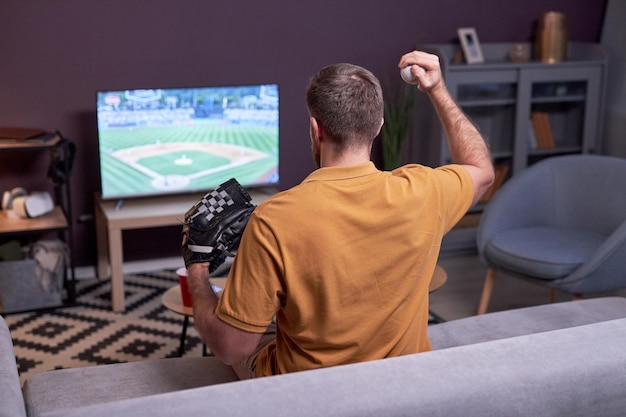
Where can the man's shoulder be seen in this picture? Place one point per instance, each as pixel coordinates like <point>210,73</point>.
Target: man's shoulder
<point>424,170</point>
<point>279,201</point>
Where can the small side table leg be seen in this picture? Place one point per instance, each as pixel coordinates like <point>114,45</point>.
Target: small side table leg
<point>183,336</point>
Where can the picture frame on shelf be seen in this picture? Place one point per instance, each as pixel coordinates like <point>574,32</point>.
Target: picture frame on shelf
<point>471,46</point>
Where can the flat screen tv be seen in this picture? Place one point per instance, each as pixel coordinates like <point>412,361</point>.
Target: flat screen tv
<point>185,140</point>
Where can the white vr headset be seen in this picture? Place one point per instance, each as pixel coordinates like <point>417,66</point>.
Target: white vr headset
<point>27,205</point>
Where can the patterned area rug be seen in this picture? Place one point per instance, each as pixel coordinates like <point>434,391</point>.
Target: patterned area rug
<point>89,333</point>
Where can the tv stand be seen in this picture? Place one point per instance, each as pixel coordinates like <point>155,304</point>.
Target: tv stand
<point>143,213</point>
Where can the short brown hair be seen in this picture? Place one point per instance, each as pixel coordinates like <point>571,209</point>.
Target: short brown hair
<point>347,101</point>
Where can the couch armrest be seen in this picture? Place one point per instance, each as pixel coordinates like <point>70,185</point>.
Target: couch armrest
<point>12,403</point>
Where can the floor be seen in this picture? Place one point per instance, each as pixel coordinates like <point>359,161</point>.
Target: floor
<point>460,296</point>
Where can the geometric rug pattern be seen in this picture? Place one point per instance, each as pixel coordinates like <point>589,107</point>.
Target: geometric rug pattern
<point>89,333</point>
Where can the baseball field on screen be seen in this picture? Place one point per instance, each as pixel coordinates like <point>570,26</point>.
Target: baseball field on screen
<point>191,156</point>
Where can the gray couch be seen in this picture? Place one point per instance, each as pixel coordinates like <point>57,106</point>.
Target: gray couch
<point>565,359</point>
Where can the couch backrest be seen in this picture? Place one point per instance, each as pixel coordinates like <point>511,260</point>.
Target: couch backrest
<point>11,401</point>
<point>524,321</point>
<point>571,372</point>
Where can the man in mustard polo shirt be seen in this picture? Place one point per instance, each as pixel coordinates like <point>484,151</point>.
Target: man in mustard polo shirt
<point>336,269</point>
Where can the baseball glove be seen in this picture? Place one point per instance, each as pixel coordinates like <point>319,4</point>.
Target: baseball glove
<point>213,227</point>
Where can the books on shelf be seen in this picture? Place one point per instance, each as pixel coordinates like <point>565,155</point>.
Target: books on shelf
<point>542,131</point>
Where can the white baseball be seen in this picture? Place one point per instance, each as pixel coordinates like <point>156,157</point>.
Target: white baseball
<point>407,75</point>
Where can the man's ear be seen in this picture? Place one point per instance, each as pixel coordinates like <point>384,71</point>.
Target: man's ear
<point>316,130</point>
<point>382,122</point>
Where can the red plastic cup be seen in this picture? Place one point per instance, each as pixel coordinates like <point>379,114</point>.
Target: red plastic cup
<point>184,290</point>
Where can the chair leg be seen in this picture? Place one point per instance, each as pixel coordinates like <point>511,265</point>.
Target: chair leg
<point>552,295</point>
<point>487,288</point>
<point>577,297</point>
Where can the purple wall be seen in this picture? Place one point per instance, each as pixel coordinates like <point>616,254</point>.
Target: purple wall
<point>56,54</point>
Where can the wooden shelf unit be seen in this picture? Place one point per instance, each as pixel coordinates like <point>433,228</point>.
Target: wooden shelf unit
<point>59,220</point>
<point>55,220</point>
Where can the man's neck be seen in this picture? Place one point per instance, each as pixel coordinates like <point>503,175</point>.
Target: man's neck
<point>349,158</point>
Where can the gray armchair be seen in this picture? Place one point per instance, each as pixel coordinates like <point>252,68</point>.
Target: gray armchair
<point>561,224</point>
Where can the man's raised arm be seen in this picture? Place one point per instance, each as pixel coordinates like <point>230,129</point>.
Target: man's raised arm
<point>466,144</point>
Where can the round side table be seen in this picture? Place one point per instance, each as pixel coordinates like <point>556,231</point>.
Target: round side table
<point>173,301</point>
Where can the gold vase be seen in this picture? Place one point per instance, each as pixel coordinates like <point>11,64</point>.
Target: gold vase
<point>551,38</point>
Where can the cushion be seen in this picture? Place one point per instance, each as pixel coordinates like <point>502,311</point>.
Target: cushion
<point>542,252</point>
